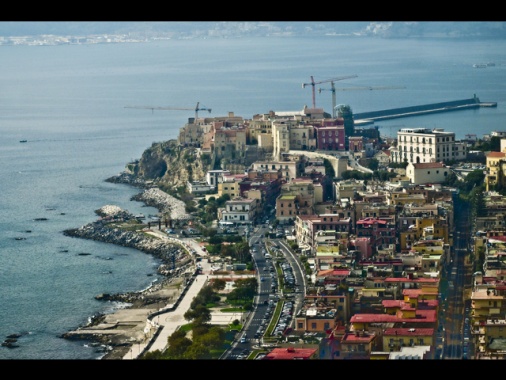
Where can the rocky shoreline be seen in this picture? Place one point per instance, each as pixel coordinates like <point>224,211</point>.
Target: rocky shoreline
<point>175,262</point>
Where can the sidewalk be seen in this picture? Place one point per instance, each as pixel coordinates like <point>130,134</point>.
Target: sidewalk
<point>171,320</point>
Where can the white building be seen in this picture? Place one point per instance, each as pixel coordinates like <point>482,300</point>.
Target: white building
<point>429,172</point>
<point>423,145</point>
<point>239,211</point>
<point>213,177</point>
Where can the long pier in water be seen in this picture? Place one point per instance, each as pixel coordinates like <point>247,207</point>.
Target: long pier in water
<point>394,113</point>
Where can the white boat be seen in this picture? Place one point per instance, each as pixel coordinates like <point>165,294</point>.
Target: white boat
<point>480,65</point>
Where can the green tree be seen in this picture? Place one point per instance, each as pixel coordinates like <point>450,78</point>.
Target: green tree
<point>478,201</point>
<point>329,169</point>
<point>196,351</point>
<point>218,284</point>
<point>213,338</point>
<point>200,314</point>
<point>245,289</point>
<point>472,180</point>
<point>177,347</point>
<point>241,251</point>
<point>373,164</point>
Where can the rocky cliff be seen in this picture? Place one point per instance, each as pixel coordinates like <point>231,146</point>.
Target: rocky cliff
<point>167,163</point>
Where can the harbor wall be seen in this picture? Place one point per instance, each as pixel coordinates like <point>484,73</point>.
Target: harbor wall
<point>370,117</point>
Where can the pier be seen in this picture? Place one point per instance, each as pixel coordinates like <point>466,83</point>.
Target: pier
<point>456,105</point>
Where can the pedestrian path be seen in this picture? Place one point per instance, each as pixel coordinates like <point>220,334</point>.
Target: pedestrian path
<point>167,323</point>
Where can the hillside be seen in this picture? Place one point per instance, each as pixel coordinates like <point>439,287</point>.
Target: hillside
<point>169,165</point>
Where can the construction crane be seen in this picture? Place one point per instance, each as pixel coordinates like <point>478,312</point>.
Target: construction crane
<point>334,89</point>
<point>313,83</point>
<point>196,109</point>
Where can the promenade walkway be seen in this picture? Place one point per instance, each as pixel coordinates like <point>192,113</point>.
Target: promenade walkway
<point>172,319</point>
<point>165,323</point>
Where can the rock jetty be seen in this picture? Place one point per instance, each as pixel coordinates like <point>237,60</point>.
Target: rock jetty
<point>165,203</point>
<point>154,197</point>
<point>106,230</point>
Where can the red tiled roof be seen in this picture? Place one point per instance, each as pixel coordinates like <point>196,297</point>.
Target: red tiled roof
<point>358,338</point>
<point>496,154</point>
<point>422,316</point>
<point>371,221</point>
<point>428,165</point>
<point>413,280</point>
<point>412,292</point>
<point>290,353</point>
<point>334,272</point>
<point>392,303</point>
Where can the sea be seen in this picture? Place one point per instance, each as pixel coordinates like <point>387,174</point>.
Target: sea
<point>71,103</point>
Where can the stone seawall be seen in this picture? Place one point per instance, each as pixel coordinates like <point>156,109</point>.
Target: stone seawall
<point>394,113</point>
<point>172,255</point>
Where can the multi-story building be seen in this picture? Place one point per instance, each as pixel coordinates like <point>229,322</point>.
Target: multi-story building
<point>213,177</point>
<point>230,184</point>
<point>424,145</point>
<point>495,163</point>
<point>289,169</point>
<point>297,197</point>
<point>239,211</point>
<point>306,227</point>
<point>427,172</point>
<point>330,135</point>
<point>381,231</point>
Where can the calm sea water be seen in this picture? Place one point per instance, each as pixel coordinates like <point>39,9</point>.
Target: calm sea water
<point>69,103</point>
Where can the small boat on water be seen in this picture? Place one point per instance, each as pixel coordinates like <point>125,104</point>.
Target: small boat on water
<point>23,141</point>
<point>480,65</point>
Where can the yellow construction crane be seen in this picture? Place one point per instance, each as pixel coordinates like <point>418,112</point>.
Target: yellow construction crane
<point>196,109</point>
<point>334,89</point>
<point>313,83</point>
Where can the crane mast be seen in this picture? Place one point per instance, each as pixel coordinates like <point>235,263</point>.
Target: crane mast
<point>333,89</point>
<point>313,83</point>
<point>196,109</point>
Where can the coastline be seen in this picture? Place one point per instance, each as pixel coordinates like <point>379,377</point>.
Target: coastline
<point>115,333</point>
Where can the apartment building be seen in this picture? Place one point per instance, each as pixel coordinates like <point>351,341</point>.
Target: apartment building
<point>424,145</point>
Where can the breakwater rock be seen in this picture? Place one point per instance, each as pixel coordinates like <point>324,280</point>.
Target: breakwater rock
<point>128,179</point>
<point>154,197</point>
<point>165,203</point>
<point>106,230</point>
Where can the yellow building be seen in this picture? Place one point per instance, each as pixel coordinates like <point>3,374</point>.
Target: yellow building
<point>493,169</point>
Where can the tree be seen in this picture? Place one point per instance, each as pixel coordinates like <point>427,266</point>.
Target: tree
<point>478,202</point>
<point>199,315</point>
<point>245,289</point>
<point>177,346</point>
<point>219,284</point>
<point>473,179</point>
<point>373,164</point>
<point>213,338</point>
<point>241,250</point>
<point>329,169</point>
<point>196,351</point>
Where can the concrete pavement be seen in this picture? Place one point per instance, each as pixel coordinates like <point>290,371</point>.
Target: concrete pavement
<point>164,324</point>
